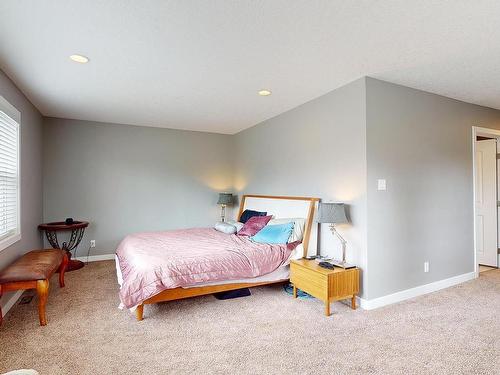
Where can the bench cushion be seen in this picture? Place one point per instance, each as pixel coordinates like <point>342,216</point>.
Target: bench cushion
<point>35,265</point>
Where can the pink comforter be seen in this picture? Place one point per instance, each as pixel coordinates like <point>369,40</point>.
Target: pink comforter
<point>153,262</point>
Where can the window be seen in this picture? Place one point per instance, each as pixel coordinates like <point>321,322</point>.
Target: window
<point>10,230</point>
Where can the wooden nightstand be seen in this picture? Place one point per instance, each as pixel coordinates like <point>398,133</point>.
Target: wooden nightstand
<point>324,284</point>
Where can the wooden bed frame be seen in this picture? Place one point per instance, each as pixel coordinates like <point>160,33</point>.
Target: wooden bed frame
<point>180,293</point>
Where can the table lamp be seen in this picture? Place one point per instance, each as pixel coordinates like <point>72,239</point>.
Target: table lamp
<point>334,213</point>
<point>225,199</point>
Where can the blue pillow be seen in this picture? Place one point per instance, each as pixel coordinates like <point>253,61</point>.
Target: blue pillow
<point>274,234</point>
<point>247,214</point>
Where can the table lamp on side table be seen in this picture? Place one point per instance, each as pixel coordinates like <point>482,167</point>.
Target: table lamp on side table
<point>225,199</point>
<point>334,213</point>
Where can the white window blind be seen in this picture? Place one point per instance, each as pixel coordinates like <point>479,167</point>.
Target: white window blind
<point>9,176</point>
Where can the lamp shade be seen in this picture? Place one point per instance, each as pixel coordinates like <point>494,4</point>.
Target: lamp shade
<point>225,199</point>
<point>333,213</point>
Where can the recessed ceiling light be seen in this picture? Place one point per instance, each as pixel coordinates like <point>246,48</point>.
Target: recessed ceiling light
<point>79,59</point>
<point>264,92</point>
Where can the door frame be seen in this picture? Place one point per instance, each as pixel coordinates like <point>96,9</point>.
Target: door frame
<point>485,132</point>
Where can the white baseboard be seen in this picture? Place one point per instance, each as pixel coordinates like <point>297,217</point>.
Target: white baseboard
<point>96,258</point>
<point>415,292</point>
<point>11,301</point>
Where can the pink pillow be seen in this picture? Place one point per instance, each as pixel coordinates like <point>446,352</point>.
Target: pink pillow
<point>254,225</point>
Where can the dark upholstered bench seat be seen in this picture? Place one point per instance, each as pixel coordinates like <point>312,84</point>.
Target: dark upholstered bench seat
<point>33,271</point>
<point>35,265</point>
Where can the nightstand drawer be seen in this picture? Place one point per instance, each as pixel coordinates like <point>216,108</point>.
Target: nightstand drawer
<point>313,283</point>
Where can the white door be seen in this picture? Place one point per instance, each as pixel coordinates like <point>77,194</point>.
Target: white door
<point>486,202</point>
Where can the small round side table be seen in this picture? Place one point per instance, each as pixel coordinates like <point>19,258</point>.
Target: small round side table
<point>77,229</point>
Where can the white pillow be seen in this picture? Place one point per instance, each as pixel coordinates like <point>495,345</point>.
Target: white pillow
<point>237,224</point>
<point>298,227</point>
<point>225,228</point>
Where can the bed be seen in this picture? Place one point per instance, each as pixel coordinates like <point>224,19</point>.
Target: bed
<point>164,266</point>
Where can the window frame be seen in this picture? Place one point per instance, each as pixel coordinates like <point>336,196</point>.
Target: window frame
<point>14,114</point>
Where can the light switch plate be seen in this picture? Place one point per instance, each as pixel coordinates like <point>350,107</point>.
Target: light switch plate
<point>381,184</point>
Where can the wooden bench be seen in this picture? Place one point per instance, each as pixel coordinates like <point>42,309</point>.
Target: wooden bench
<point>33,271</point>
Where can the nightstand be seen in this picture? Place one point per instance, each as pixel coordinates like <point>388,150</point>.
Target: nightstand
<point>323,283</point>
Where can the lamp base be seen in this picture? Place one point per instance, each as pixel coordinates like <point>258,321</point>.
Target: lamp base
<point>341,264</point>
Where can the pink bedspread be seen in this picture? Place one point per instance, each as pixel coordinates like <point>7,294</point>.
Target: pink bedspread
<point>155,261</point>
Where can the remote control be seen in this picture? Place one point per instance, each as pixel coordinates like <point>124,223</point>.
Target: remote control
<point>326,265</point>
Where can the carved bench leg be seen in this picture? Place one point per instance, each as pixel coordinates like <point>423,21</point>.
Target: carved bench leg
<point>42,289</point>
<point>62,269</point>
<point>139,312</point>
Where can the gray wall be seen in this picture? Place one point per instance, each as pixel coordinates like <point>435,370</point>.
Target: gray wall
<point>126,179</point>
<point>31,174</point>
<point>317,149</point>
<point>337,146</point>
<point>421,144</point>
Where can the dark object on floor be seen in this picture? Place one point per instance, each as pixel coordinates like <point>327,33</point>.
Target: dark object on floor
<point>25,300</point>
<point>245,292</point>
<point>288,288</point>
<point>33,271</point>
<point>326,265</point>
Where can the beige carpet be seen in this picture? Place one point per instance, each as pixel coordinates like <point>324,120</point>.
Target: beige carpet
<point>455,331</point>
<point>486,268</point>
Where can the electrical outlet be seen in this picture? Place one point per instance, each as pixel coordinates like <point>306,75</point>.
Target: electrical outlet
<point>426,266</point>
<point>382,184</point>
<point>92,243</point>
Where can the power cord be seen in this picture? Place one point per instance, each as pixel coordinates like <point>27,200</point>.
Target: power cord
<point>88,253</point>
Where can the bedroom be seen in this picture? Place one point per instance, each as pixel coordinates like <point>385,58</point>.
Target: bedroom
<point>166,114</point>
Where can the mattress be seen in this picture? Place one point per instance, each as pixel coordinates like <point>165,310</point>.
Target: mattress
<point>281,273</point>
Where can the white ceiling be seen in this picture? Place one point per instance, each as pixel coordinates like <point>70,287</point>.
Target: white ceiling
<point>198,65</point>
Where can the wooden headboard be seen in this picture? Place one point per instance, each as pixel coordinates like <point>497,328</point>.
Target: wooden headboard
<point>284,207</point>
